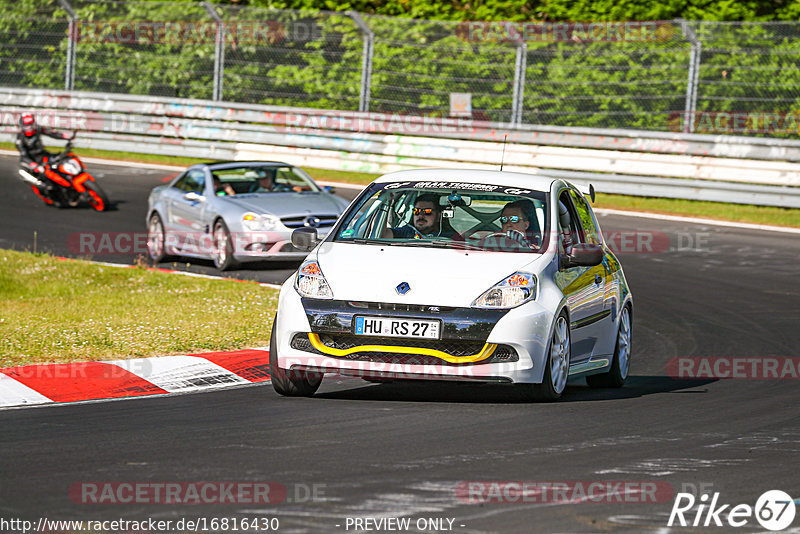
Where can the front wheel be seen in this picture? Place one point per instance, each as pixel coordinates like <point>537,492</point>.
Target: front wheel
<point>98,199</point>
<point>616,376</point>
<point>287,382</point>
<point>223,247</point>
<point>556,371</point>
<point>156,239</point>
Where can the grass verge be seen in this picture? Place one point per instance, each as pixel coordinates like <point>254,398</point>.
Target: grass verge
<point>691,208</point>
<point>60,311</point>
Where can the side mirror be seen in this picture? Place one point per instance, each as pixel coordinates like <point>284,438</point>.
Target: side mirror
<point>583,255</point>
<point>191,196</point>
<point>329,189</point>
<point>305,239</point>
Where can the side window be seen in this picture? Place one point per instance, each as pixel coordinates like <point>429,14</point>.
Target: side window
<point>180,181</point>
<point>588,230</point>
<point>568,228</point>
<point>192,181</point>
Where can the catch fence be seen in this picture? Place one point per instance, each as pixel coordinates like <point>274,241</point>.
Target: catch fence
<point>681,76</point>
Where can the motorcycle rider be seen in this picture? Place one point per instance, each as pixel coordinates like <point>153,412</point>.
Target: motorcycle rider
<point>32,153</point>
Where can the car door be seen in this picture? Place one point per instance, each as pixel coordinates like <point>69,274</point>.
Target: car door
<point>582,286</point>
<point>609,289</point>
<point>187,210</point>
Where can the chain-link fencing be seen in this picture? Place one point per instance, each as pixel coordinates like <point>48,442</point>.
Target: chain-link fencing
<point>706,77</point>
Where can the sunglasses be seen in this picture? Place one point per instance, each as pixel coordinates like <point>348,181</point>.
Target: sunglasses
<point>423,211</point>
<point>513,219</point>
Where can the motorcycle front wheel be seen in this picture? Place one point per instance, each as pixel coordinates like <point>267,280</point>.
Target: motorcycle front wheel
<point>98,199</point>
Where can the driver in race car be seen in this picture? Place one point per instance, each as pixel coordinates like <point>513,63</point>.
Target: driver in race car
<point>33,156</point>
<point>519,223</point>
<point>426,221</point>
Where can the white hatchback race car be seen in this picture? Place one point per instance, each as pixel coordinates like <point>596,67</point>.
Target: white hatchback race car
<point>457,275</point>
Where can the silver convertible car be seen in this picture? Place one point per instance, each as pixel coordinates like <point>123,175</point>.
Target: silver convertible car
<point>234,212</point>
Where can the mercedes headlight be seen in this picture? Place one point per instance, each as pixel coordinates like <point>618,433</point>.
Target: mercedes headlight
<point>311,282</point>
<point>258,223</point>
<point>509,292</point>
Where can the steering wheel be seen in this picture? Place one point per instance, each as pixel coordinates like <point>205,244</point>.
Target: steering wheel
<point>506,239</point>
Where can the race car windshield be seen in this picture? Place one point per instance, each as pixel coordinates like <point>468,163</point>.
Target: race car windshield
<point>465,216</point>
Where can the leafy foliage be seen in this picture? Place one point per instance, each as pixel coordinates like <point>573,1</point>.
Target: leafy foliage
<point>310,58</point>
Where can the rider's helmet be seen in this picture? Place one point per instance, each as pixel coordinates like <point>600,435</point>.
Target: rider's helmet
<point>27,123</point>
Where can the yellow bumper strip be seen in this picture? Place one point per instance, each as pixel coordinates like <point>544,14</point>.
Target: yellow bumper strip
<point>487,350</point>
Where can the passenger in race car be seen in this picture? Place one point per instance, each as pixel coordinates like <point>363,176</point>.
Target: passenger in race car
<point>222,190</point>
<point>519,223</point>
<point>426,221</point>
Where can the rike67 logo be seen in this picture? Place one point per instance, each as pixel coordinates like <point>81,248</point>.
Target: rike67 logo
<point>774,510</point>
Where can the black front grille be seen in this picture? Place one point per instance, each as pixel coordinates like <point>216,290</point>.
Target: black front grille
<point>325,221</point>
<point>393,306</point>
<point>452,347</point>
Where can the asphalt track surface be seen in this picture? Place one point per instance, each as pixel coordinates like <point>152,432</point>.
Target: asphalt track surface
<point>402,450</point>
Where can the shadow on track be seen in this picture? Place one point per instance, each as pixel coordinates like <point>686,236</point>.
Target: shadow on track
<point>432,391</point>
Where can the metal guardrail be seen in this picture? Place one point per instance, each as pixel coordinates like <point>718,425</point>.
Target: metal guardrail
<point>752,171</point>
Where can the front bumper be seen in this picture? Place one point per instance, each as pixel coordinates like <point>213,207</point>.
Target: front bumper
<point>266,246</point>
<point>476,345</point>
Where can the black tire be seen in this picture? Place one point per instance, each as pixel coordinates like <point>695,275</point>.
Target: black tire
<point>551,389</point>
<point>616,376</point>
<point>156,239</point>
<point>98,199</point>
<point>289,383</point>
<point>223,246</point>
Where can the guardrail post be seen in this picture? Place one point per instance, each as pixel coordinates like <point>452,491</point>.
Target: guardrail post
<point>520,66</point>
<point>219,52</point>
<point>72,41</point>
<point>694,75</point>
<point>366,60</point>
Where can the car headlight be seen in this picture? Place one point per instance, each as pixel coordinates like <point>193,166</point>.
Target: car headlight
<point>258,223</point>
<point>509,292</point>
<point>310,282</point>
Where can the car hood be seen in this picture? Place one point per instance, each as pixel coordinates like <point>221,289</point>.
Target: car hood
<point>440,277</point>
<point>288,204</point>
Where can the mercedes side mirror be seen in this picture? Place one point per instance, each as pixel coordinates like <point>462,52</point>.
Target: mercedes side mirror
<point>305,239</point>
<point>191,196</point>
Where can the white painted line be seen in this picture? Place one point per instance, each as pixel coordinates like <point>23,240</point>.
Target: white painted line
<point>13,393</point>
<point>177,374</point>
<point>698,220</point>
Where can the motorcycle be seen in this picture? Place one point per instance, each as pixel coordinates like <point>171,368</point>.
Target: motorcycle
<point>72,183</point>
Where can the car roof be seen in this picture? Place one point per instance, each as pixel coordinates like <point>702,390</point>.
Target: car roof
<point>515,179</point>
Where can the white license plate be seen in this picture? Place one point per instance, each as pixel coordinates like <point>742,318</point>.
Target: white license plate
<point>396,327</point>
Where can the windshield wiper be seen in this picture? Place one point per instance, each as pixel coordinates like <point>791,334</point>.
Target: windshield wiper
<point>435,243</point>
<point>364,241</point>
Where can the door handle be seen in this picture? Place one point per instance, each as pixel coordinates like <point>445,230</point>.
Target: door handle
<point>598,279</point>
